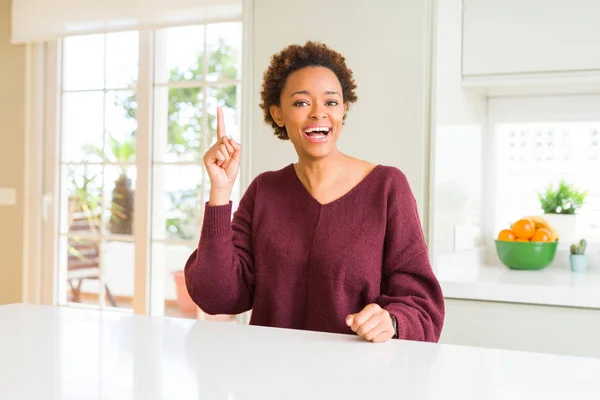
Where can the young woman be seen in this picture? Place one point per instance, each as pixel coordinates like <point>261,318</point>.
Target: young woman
<point>330,243</point>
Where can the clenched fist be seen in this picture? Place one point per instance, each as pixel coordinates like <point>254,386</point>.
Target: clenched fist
<point>372,323</point>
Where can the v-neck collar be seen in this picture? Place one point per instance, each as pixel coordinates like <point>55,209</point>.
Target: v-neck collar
<point>342,197</point>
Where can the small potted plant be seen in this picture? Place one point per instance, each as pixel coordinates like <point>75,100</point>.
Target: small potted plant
<point>578,258</point>
<point>560,206</point>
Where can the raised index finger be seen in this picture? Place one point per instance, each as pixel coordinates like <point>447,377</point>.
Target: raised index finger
<point>220,124</point>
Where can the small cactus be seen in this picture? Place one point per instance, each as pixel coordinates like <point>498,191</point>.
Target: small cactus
<point>579,248</point>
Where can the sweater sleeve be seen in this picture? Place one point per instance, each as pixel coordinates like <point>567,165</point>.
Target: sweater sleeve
<point>219,274</point>
<point>410,291</point>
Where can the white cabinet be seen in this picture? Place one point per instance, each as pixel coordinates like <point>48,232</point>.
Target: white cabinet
<point>522,327</point>
<point>534,37</point>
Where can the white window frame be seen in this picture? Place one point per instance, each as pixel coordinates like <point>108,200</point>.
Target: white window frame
<point>43,99</point>
<point>564,108</point>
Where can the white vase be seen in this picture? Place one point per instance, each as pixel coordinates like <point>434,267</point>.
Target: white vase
<point>564,225</point>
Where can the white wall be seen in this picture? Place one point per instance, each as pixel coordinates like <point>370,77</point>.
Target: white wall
<point>12,154</point>
<point>459,125</point>
<point>386,44</point>
<point>557,330</point>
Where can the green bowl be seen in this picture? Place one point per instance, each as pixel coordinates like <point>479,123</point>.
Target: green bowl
<point>526,255</point>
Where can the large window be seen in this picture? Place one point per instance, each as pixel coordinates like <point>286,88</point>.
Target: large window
<point>194,70</point>
<point>533,156</point>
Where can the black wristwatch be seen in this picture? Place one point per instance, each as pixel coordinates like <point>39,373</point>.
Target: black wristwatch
<point>395,325</point>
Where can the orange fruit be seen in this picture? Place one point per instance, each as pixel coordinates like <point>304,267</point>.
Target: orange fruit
<point>542,235</point>
<point>524,228</point>
<point>506,235</point>
<point>522,240</point>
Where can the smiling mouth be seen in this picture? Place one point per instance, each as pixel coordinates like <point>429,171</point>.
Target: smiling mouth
<point>317,133</point>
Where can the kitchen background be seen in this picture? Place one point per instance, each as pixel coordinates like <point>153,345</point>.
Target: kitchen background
<point>484,103</point>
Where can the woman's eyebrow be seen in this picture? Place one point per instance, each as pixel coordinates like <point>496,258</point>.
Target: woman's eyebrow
<point>329,92</point>
<point>300,92</point>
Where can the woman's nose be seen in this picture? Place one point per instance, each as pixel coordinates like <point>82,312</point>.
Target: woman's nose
<point>317,112</point>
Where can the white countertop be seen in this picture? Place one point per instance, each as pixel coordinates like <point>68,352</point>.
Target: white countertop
<point>551,286</point>
<point>61,353</point>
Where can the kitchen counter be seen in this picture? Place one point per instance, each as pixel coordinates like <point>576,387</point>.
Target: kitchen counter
<point>552,286</point>
<point>65,353</point>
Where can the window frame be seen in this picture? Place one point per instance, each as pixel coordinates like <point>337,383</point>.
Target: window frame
<point>43,166</point>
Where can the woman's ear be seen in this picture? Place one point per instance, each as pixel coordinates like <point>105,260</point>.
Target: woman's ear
<point>277,115</point>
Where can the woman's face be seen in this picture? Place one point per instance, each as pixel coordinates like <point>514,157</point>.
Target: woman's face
<point>312,110</point>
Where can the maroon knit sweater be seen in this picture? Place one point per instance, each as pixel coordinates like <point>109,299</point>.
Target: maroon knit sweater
<point>300,264</point>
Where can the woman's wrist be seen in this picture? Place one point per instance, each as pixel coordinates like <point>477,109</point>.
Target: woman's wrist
<point>219,197</point>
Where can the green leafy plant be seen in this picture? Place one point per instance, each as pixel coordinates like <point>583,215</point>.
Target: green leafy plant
<point>84,213</point>
<point>579,248</point>
<point>565,199</point>
<point>84,198</point>
<point>119,152</point>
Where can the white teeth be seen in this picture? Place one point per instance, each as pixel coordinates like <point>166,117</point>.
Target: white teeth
<point>317,129</point>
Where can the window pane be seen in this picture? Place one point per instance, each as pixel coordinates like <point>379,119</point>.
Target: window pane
<point>82,270</point>
<point>179,53</point>
<point>178,124</point>
<point>168,262</point>
<point>118,266</point>
<point>223,45</point>
<point>83,62</point>
<point>119,189</point>
<point>81,199</point>
<point>82,126</point>
<point>86,258</point>
<point>533,156</point>
<point>99,126</point>
<point>121,60</point>
<point>121,126</point>
<point>177,209</point>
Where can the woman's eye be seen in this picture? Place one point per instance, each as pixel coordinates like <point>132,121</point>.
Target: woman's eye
<point>300,103</point>
<point>332,103</point>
